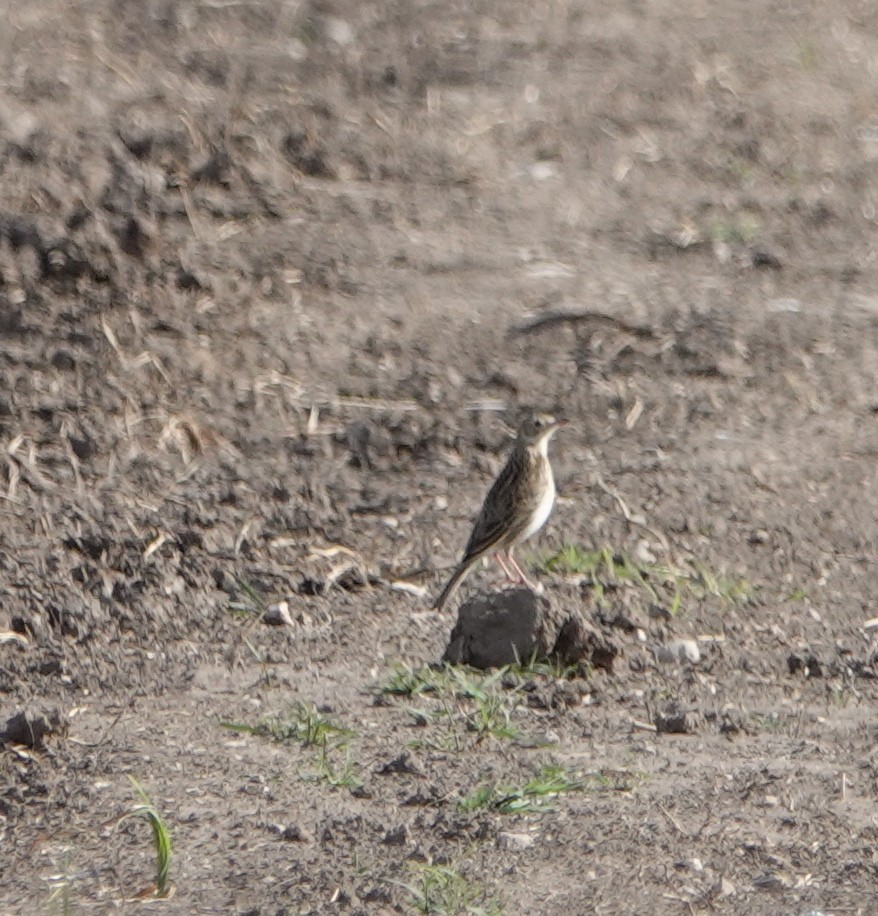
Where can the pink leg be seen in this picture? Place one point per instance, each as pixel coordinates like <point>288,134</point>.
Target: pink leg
<point>499,558</point>
<point>521,576</point>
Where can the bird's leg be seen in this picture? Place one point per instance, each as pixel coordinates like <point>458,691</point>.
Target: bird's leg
<point>499,558</point>
<point>522,578</point>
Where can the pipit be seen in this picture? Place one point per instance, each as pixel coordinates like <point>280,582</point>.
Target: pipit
<point>517,505</point>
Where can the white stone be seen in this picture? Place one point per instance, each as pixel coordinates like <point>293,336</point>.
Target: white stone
<point>678,650</point>
<point>515,841</point>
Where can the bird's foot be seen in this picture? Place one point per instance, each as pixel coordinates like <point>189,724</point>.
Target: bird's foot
<point>524,582</point>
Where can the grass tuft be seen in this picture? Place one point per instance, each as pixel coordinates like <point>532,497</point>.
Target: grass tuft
<point>472,705</point>
<point>303,725</point>
<point>345,776</point>
<point>247,602</point>
<point>742,229</point>
<point>535,796</point>
<point>160,834</point>
<point>607,571</point>
<point>308,727</point>
<point>549,668</point>
<point>441,889</point>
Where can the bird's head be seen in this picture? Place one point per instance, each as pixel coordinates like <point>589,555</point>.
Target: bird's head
<point>537,429</point>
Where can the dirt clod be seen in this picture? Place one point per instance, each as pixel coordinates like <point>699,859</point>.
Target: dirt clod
<point>498,628</point>
<point>675,719</point>
<point>31,727</point>
<point>401,764</point>
<point>806,665</point>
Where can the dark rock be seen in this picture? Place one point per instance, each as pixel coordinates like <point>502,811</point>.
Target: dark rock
<point>29,727</point>
<point>400,764</point>
<point>761,257</point>
<point>63,259</point>
<point>397,836</point>
<point>306,154</point>
<point>292,833</point>
<point>676,720</point>
<point>498,628</point>
<point>133,239</point>
<point>579,641</point>
<point>63,360</point>
<point>731,723</point>
<point>214,169</point>
<point>188,280</point>
<point>808,665</point>
<point>83,447</point>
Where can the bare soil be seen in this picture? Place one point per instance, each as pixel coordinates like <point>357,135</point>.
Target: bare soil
<point>275,281</point>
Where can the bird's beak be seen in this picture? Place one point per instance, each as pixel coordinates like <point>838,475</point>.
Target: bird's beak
<point>560,424</point>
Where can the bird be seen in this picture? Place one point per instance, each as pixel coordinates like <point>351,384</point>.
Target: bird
<point>517,505</point>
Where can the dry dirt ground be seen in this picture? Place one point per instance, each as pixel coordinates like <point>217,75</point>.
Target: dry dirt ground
<point>275,279</point>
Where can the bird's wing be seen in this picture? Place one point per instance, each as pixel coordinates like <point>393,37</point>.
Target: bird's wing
<point>493,523</point>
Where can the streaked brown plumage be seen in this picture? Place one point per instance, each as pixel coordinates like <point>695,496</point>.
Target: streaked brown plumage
<point>517,505</point>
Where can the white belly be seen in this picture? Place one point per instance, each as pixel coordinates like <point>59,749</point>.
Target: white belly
<point>538,519</point>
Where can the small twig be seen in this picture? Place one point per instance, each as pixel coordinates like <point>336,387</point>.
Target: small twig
<point>383,124</point>
<point>409,588</point>
<point>191,214</point>
<point>674,822</point>
<point>29,472</point>
<point>552,317</point>
<point>631,519</point>
<point>121,70</point>
<point>104,736</point>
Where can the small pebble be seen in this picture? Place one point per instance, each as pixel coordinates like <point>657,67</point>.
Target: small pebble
<point>278,615</point>
<point>515,841</point>
<point>678,650</point>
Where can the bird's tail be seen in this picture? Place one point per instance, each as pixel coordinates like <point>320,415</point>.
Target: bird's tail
<point>455,580</point>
